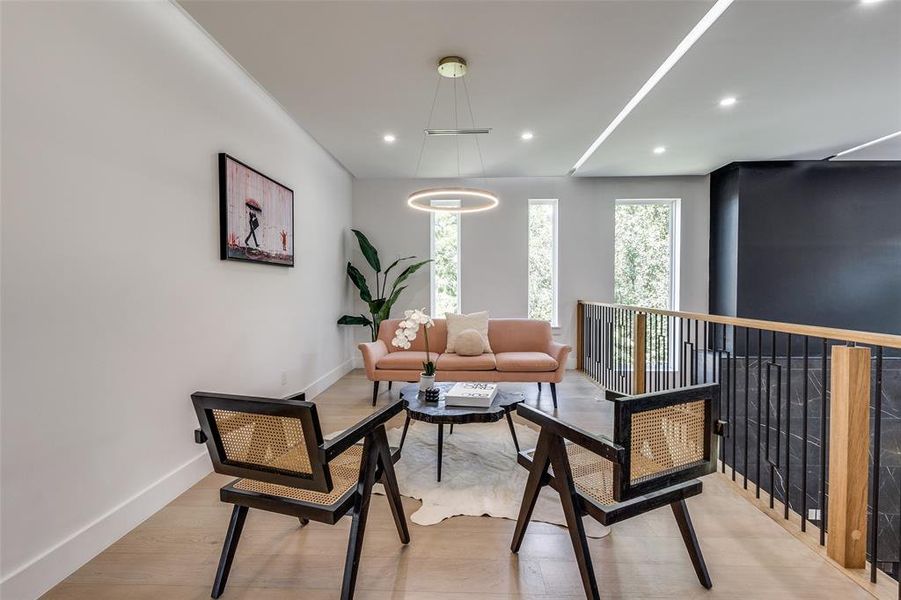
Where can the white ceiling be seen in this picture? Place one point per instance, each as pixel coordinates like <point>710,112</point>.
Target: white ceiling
<point>812,77</point>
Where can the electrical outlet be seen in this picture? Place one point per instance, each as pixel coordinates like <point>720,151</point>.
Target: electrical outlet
<point>813,514</point>
<point>284,378</point>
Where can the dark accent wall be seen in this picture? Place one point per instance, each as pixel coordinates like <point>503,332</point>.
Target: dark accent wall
<point>812,242</point>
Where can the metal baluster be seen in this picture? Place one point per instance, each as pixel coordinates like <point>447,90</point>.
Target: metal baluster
<point>823,412</point>
<point>788,427</point>
<point>877,451</point>
<point>804,435</point>
<point>747,400</point>
<point>759,406</point>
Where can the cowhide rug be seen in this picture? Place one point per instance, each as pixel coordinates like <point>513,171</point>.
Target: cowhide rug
<point>479,476</point>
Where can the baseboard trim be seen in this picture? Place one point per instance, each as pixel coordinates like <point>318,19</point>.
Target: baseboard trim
<point>38,575</point>
<point>41,573</point>
<point>327,380</point>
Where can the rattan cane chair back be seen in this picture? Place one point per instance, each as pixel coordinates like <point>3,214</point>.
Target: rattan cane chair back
<point>668,435</point>
<point>275,442</point>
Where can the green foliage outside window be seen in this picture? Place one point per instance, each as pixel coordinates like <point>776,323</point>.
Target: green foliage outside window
<point>643,261</point>
<point>643,270</point>
<point>541,261</point>
<point>446,257</point>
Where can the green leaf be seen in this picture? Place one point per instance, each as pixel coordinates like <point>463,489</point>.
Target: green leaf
<point>360,282</point>
<point>386,309</point>
<point>369,251</point>
<point>394,264</point>
<point>406,273</point>
<point>376,305</point>
<point>354,320</point>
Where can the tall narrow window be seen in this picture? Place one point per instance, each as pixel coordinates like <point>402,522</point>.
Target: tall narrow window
<point>646,256</point>
<point>445,264</point>
<point>543,260</point>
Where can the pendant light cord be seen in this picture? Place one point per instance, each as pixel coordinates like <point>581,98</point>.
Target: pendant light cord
<point>473,121</point>
<point>428,125</point>
<point>457,126</point>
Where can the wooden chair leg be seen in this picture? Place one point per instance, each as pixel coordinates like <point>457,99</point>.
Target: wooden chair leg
<point>403,436</point>
<point>232,536</point>
<point>680,511</point>
<point>533,487</point>
<point>375,391</point>
<point>368,466</point>
<point>554,394</point>
<point>389,481</point>
<point>571,510</point>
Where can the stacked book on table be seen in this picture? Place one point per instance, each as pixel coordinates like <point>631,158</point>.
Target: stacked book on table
<point>479,395</point>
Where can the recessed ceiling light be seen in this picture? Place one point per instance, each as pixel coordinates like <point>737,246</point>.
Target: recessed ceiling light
<point>727,101</point>
<point>527,135</point>
<point>659,149</point>
<point>389,138</point>
<point>869,1</point>
<point>687,42</point>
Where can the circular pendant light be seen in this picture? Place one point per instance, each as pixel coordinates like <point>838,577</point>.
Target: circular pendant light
<point>453,199</point>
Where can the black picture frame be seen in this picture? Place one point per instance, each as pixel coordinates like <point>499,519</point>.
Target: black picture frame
<point>231,246</point>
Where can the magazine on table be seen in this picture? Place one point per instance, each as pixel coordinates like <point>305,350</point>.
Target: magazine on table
<point>471,394</point>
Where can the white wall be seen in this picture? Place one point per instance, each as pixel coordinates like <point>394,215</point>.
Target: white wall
<point>495,243</point>
<point>115,305</point>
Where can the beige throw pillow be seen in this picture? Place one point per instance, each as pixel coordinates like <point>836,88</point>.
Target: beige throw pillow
<point>457,324</point>
<point>468,343</point>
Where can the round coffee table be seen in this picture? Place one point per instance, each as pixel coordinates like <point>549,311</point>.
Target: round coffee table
<point>440,414</point>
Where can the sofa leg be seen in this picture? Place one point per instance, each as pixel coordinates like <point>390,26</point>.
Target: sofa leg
<point>389,385</point>
<point>554,394</point>
<point>375,391</point>
<point>539,388</point>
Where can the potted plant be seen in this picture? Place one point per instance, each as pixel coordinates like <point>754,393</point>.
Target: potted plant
<point>380,305</point>
<point>406,333</point>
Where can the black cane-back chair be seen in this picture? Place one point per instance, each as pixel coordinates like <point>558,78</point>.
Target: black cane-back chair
<point>284,465</point>
<point>662,442</point>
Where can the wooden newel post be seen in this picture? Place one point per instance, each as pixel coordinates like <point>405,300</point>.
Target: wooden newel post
<point>639,347</point>
<point>580,335</point>
<point>849,442</point>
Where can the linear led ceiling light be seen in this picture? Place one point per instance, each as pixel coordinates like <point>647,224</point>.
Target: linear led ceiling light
<point>697,31</point>
<point>868,144</point>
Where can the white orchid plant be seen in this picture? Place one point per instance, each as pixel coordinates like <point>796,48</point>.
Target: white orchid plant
<point>406,333</point>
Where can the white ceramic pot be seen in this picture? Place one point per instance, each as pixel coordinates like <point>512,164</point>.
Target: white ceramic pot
<point>426,381</point>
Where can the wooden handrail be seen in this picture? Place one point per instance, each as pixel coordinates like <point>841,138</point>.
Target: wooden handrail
<point>886,340</point>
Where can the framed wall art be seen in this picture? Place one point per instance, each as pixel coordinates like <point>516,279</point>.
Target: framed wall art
<point>256,215</point>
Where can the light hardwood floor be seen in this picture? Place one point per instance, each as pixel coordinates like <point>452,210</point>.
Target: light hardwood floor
<point>173,554</point>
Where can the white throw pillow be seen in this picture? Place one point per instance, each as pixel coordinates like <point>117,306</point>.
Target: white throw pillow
<point>468,343</point>
<point>456,324</point>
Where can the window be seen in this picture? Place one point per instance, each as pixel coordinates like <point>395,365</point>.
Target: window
<point>445,266</point>
<point>543,260</point>
<point>646,262</point>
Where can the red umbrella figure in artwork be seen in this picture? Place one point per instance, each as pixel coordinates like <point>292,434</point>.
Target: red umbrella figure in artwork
<point>253,208</point>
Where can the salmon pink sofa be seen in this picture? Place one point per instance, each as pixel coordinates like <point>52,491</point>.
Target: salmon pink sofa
<point>523,350</point>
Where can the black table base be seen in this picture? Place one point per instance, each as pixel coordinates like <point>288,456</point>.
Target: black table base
<point>440,414</point>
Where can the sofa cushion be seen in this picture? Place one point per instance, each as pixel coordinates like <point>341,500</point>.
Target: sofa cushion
<point>457,324</point>
<point>524,362</point>
<point>469,343</point>
<point>404,360</point>
<point>455,362</point>
<point>519,335</point>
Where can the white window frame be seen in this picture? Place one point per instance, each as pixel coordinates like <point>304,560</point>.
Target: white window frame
<point>554,270</point>
<point>675,225</point>
<point>432,286</point>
